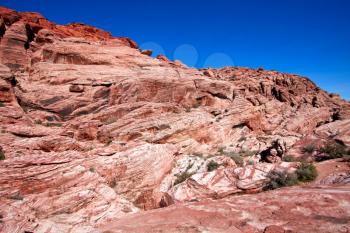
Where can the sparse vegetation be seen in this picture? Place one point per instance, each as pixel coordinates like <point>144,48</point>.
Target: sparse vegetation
<point>92,169</point>
<point>250,162</point>
<point>182,177</point>
<point>221,150</point>
<point>2,104</point>
<point>53,124</point>
<point>334,150</point>
<point>247,153</point>
<point>331,150</point>
<point>309,148</point>
<point>187,109</point>
<point>306,172</point>
<point>280,179</point>
<point>237,158</point>
<point>241,139</point>
<point>212,165</point>
<point>17,196</point>
<point>288,158</point>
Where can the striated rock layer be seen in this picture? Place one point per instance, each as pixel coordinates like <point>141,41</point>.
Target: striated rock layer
<point>94,129</point>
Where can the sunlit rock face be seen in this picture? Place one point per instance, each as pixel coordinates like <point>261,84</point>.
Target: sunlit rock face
<point>95,134</point>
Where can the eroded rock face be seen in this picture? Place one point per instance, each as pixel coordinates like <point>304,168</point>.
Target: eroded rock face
<point>93,129</point>
<point>286,210</point>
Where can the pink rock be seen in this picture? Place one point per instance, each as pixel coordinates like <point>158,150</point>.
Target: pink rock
<point>94,131</point>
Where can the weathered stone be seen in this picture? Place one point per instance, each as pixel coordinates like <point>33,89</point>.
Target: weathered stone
<point>147,52</point>
<point>76,88</point>
<point>94,130</point>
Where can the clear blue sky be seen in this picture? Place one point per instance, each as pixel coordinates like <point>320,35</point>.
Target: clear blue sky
<point>306,37</point>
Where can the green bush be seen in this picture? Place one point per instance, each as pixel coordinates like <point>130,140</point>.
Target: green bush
<point>309,148</point>
<point>182,177</point>
<point>280,179</point>
<point>306,172</point>
<point>238,156</point>
<point>2,155</point>
<point>288,158</point>
<point>2,104</point>
<point>212,165</point>
<point>334,150</point>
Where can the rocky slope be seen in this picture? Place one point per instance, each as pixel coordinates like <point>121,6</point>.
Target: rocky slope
<point>94,131</point>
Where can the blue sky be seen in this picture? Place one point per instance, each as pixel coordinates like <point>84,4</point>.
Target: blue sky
<point>305,37</point>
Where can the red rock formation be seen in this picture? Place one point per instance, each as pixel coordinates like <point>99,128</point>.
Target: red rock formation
<point>93,129</point>
<point>287,210</point>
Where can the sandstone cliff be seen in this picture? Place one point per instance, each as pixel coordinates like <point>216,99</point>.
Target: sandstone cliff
<point>94,129</point>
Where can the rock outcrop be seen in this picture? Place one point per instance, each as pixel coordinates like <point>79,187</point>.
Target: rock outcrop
<point>93,128</point>
<point>287,210</point>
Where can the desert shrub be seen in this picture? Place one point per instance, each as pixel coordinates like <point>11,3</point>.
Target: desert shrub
<point>187,109</point>
<point>241,139</point>
<point>334,150</point>
<point>2,155</point>
<point>53,124</point>
<point>2,104</point>
<point>17,196</point>
<point>237,158</point>
<point>247,153</point>
<point>92,169</point>
<point>306,172</point>
<point>182,177</point>
<point>212,165</point>
<point>221,150</point>
<point>250,162</point>
<point>288,158</point>
<point>280,179</point>
<point>309,148</point>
